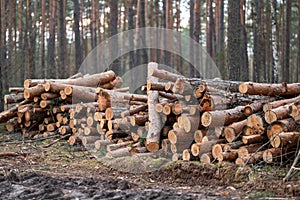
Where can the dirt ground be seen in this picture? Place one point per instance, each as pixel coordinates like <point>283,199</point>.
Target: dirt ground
<point>69,172</point>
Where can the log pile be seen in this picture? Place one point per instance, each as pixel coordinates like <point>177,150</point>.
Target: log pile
<point>47,107</point>
<point>182,118</point>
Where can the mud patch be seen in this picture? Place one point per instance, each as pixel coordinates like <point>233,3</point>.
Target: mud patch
<point>38,186</point>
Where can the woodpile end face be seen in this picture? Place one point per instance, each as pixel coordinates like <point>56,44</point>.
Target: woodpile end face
<point>190,119</point>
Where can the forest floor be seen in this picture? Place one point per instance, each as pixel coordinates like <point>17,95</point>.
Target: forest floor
<point>69,172</point>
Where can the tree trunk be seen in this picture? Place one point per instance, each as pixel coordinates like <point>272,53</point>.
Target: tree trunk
<point>63,54</point>
<point>191,34</point>
<point>286,66</point>
<point>4,81</point>
<point>244,57</point>
<point>274,42</point>
<point>78,43</point>
<point>178,58</point>
<point>130,37</point>
<point>43,25</point>
<point>113,30</point>
<point>51,67</point>
<point>298,53</point>
<point>234,40</point>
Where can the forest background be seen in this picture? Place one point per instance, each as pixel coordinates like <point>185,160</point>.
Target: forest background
<point>255,40</point>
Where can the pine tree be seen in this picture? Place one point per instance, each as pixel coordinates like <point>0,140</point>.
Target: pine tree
<point>234,40</point>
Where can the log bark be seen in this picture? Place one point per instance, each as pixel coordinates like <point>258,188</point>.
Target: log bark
<point>285,125</point>
<point>88,141</point>
<point>155,124</point>
<point>198,149</point>
<point>251,159</point>
<point>164,75</point>
<point>232,131</point>
<point>114,84</point>
<point>278,113</point>
<point>246,151</point>
<point>180,136</point>
<point>282,102</point>
<point>87,81</point>
<point>256,106</point>
<point>102,144</point>
<point>12,112</point>
<point>294,110</point>
<point>12,125</point>
<point>206,158</point>
<point>281,89</point>
<point>16,89</point>
<point>159,86</point>
<point>170,96</point>
<point>30,93</point>
<point>227,156</point>
<point>138,120</point>
<point>250,139</point>
<point>271,155</point>
<point>222,117</point>
<point>48,96</point>
<point>122,152</point>
<point>285,139</point>
<point>135,110</point>
<point>113,147</point>
<point>13,98</point>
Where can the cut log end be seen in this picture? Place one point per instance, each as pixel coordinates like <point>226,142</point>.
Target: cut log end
<point>270,116</point>
<point>186,155</point>
<point>206,119</point>
<point>243,88</point>
<point>240,162</point>
<point>216,150</point>
<point>229,134</point>
<point>275,141</point>
<point>152,146</point>
<point>206,158</point>
<point>195,149</point>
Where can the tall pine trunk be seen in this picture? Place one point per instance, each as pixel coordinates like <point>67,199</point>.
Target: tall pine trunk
<point>130,37</point>
<point>3,66</point>
<point>191,34</point>
<point>43,25</point>
<point>51,67</point>
<point>234,40</point>
<point>244,52</point>
<point>196,52</point>
<point>78,44</point>
<point>63,53</point>
<point>178,57</point>
<point>113,30</point>
<point>298,55</point>
<point>286,66</point>
<point>268,36</point>
<point>274,42</point>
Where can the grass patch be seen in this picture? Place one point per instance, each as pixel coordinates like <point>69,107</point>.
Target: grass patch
<point>257,195</point>
<point>252,175</point>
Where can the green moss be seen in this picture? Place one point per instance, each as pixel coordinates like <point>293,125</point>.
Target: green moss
<point>252,175</point>
<point>260,195</point>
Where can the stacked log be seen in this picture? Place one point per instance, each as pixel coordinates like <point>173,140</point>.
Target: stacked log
<point>178,117</point>
<point>45,107</point>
